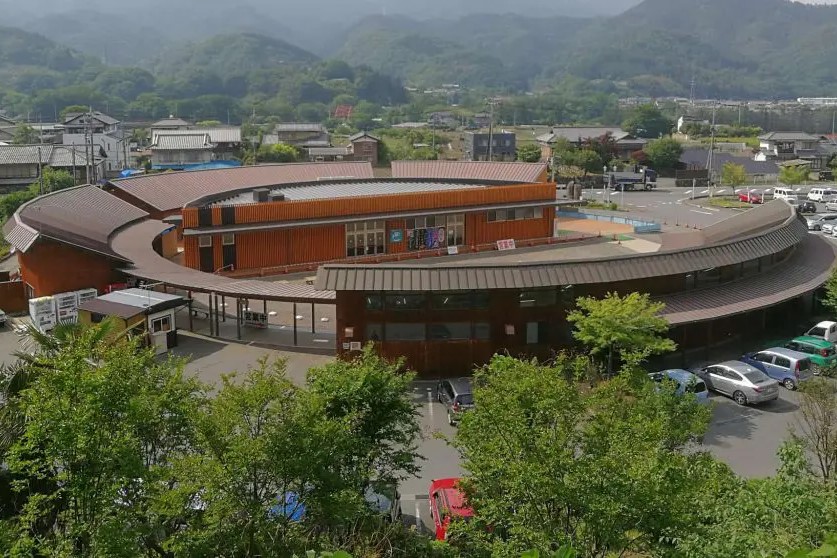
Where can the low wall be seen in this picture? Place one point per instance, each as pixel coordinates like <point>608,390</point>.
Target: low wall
<point>13,297</point>
<point>639,226</point>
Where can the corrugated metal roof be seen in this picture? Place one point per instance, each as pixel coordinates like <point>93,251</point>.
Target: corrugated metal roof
<point>181,142</point>
<point>216,135</point>
<point>173,190</point>
<point>133,243</point>
<point>806,270</point>
<point>483,170</point>
<point>353,189</point>
<point>84,216</point>
<point>478,275</point>
<point>329,151</point>
<point>18,234</point>
<point>110,308</point>
<point>299,127</point>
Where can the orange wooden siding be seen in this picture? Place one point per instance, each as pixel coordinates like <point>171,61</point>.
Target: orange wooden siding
<point>479,231</point>
<point>366,205</point>
<point>288,246</point>
<point>397,247</point>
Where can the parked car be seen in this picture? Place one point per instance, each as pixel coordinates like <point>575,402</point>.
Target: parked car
<point>785,193</point>
<point>446,503</point>
<point>828,227</point>
<point>820,351</point>
<point>3,318</point>
<point>824,330</point>
<point>804,207</point>
<point>786,366</point>
<point>381,498</point>
<point>686,382</point>
<point>744,383</point>
<point>816,222</point>
<point>831,206</point>
<point>750,197</point>
<point>457,397</point>
<point>822,194</point>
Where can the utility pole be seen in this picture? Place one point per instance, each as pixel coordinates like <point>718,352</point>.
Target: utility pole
<point>40,173</point>
<point>492,102</point>
<point>75,178</point>
<point>711,149</point>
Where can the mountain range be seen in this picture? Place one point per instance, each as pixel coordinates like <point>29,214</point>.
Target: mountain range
<point>726,48</point>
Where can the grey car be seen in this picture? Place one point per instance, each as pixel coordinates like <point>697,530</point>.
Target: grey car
<point>815,222</point>
<point>456,395</point>
<point>744,383</point>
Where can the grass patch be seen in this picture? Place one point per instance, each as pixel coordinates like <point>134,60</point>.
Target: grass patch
<point>750,141</point>
<point>601,205</point>
<point>728,203</point>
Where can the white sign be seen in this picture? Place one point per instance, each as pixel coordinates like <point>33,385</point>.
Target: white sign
<point>346,346</point>
<point>355,346</point>
<point>507,244</point>
<point>453,250</point>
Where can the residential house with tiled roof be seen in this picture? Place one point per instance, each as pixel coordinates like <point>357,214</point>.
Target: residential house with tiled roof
<point>227,139</point>
<point>181,151</point>
<point>786,146</point>
<point>625,143</point>
<point>21,165</point>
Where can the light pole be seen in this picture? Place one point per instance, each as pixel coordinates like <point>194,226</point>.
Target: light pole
<point>605,183</point>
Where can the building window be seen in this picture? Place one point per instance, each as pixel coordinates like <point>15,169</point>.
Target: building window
<point>449,331</point>
<point>519,214</point>
<point>435,231</point>
<point>374,302</point>
<point>228,239</point>
<point>482,331</point>
<point>374,332</point>
<point>204,241</point>
<point>459,301</point>
<point>365,238</point>
<point>161,324</point>
<point>404,332</point>
<point>540,297</point>
<point>405,302</point>
<point>536,333</point>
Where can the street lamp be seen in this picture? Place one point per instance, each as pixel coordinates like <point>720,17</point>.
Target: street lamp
<point>605,184</point>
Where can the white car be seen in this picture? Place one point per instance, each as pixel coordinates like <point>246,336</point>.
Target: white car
<point>822,195</point>
<point>816,222</point>
<point>831,206</point>
<point>827,228</point>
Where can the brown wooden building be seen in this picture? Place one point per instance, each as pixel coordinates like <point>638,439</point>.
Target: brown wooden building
<point>325,221</point>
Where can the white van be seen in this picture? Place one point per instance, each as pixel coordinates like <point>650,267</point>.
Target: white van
<point>783,193</point>
<point>822,194</point>
<point>824,330</point>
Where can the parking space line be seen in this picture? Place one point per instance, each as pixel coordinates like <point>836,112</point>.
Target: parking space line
<point>702,212</point>
<point>418,517</point>
<point>430,404</point>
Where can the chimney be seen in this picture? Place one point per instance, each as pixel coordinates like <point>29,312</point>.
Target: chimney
<point>260,195</point>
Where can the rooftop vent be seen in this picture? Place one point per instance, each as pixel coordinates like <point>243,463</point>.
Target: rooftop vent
<point>260,194</point>
<point>277,197</point>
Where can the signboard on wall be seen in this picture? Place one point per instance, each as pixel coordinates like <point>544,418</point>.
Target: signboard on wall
<point>429,238</point>
<point>255,319</point>
<point>507,244</point>
<point>396,235</point>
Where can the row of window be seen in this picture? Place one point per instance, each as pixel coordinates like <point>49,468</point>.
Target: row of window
<point>471,300</point>
<point>205,240</point>
<point>497,215</point>
<point>536,332</point>
<point>366,238</point>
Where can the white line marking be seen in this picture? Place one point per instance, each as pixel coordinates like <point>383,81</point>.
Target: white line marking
<point>703,212</point>
<point>720,191</point>
<point>642,206</point>
<point>430,404</point>
<point>705,192</point>
<point>418,517</point>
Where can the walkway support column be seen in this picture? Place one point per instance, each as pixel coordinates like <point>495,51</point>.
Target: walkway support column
<point>191,323</point>
<point>224,308</point>
<point>209,314</point>
<point>217,324</point>
<point>238,318</point>
<point>294,319</point>
<point>313,319</point>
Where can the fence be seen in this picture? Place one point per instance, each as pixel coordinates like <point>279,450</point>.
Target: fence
<point>640,227</point>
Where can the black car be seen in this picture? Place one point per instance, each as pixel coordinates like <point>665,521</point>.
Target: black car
<point>806,207</point>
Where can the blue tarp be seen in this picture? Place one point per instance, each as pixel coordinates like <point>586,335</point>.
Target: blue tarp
<point>130,172</point>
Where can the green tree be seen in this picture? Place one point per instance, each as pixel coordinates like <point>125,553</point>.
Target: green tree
<point>629,325</point>
<point>733,174</point>
<point>73,109</point>
<point>585,160</point>
<point>764,517</point>
<point>829,300</point>
<point>664,153</point>
<point>278,153</point>
<point>54,180</point>
<point>550,464</point>
<point>817,424</point>
<point>646,121</point>
<point>529,153</point>
<point>794,175</point>
<point>12,202</point>
<point>102,428</point>
<point>25,135</point>
<point>374,396</point>
<point>208,123</point>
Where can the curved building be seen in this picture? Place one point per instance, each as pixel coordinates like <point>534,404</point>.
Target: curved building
<point>412,262</point>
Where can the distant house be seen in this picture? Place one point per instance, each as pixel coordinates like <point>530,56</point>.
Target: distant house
<point>303,135</point>
<point>757,171</point>
<point>685,119</point>
<point>95,122</point>
<point>226,139</point>
<point>365,147</point>
<point>482,120</point>
<point>181,151</point>
<point>500,146</point>
<point>21,165</point>
<point>443,119</point>
<point>170,123</point>
<point>7,129</point>
<point>785,146</point>
<point>343,112</point>
<point>362,147</point>
<point>625,143</point>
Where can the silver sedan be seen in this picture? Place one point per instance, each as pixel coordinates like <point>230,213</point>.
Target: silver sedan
<point>817,222</point>
<point>744,383</point>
